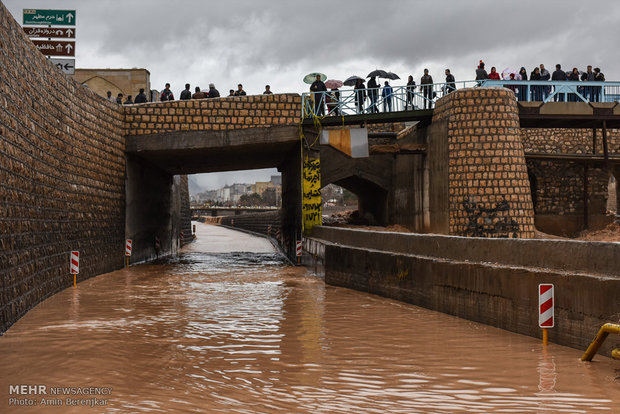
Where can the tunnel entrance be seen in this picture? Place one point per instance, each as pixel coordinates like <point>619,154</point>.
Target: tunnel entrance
<point>158,188</point>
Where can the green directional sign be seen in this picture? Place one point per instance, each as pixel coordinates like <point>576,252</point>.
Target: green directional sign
<point>49,17</point>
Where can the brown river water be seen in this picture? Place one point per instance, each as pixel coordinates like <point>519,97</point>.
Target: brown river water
<point>229,327</point>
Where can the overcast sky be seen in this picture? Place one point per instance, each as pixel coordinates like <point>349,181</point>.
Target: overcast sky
<point>277,42</point>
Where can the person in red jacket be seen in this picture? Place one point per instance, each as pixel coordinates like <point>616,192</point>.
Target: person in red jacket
<point>493,75</point>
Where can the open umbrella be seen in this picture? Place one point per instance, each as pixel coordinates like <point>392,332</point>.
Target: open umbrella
<point>311,77</point>
<point>391,75</point>
<point>377,72</point>
<point>333,84</point>
<point>506,74</point>
<point>352,80</point>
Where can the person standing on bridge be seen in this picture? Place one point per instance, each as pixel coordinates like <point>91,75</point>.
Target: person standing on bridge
<point>198,94</point>
<point>213,93</point>
<point>481,74</point>
<point>588,76</point>
<point>537,91</point>
<point>360,95</point>
<point>319,89</point>
<point>166,94</point>
<point>410,92</point>
<point>493,75</point>
<point>558,76</point>
<point>545,76</point>
<point>427,91</point>
<point>373,93</point>
<point>598,77</point>
<point>128,101</point>
<point>386,94</point>
<point>450,85</point>
<point>141,97</point>
<point>185,93</point>
<point>109,96</point>
<point>240,91</point>
<point>267,90</point>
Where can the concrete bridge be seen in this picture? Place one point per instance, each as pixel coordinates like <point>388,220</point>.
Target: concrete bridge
<point>81,173</point>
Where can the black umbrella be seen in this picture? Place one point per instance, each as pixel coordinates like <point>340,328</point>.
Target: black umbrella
<point>377,72</point>
<point>352,80</point>
<point>391,75</point>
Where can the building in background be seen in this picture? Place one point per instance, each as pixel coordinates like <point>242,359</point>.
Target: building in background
<point>125,81</point>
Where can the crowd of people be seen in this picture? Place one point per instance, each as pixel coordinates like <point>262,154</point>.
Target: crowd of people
<point>168,95</point>
<point>371,92</point>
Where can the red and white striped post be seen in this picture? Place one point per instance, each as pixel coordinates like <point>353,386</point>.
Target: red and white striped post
<point>545,309</point>
<point>74,265</point>
<point>128,245</point>
<point>298,251</point>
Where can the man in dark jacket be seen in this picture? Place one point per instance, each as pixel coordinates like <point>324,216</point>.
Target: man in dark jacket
<point>450,86</point>
<point>213,93</point>
<point>558,75</point>
<point>141,97</point>
<point>318,87</point>
<point>166,94</point>
<point>185,93</point>
<point>481,74</point>
<point>427,91</point>
<point>588,76</point>
<point>373,93</point>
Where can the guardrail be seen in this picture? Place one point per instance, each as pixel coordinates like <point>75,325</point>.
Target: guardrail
<point>376,100</point>
<point>560,91</point>
<point>404,98</point>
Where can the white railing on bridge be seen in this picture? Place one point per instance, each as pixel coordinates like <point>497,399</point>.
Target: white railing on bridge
<point>419,97</point>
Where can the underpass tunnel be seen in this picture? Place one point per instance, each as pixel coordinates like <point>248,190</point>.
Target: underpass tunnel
<point>372,199</point>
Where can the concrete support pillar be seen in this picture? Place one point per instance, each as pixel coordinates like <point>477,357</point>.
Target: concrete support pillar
<point>487,191</point>
<point>291,202</point>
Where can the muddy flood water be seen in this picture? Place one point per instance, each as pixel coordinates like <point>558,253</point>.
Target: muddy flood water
<point>229,327</point>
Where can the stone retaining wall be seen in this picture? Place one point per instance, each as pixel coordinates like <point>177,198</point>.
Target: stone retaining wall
<point>492,281</point>
<point>61,177</point>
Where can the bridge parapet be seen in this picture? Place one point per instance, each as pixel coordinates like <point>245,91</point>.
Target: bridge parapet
<point>213,114</point>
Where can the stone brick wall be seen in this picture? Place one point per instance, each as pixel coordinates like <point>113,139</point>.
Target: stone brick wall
<point>62,167</point>
<point>213,114</point>
<point>488,186</point>
<point>558,186</point>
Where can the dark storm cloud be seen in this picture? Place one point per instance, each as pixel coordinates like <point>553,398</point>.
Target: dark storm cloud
<point>280,36</point>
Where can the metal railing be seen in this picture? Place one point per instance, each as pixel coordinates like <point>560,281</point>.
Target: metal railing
<point>407,98</point>
<point>377,100</point>
<point>560,91</point>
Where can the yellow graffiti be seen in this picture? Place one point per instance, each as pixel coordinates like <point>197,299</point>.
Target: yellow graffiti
<point>311,198</point>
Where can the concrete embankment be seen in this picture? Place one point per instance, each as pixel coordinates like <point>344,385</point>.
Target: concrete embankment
<point>492,281</point>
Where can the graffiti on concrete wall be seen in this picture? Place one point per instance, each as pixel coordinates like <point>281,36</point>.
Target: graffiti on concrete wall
<point>494,221</point>
<point>311,199</point>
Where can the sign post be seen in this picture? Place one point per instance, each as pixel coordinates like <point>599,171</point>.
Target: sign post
<point>128,245</point>
<point>298,251</point>
<point>545,309</point>
<point>74,264</point>
<point>49,17</point>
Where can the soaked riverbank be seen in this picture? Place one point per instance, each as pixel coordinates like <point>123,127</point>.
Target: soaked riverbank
<point>228,326</point>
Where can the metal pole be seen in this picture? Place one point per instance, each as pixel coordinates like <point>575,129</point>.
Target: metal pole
<point>605,150</point>
<point>74,280</point>
<point>594,139</point>
<point>545,336</point>
<point>585,195</point>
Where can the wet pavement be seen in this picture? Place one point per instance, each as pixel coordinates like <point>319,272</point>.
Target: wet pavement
<point>229,327</point>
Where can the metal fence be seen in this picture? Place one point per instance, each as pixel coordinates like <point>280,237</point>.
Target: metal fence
<point>560,91</point>
<point>377,100</point>
<point>407,98</point>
